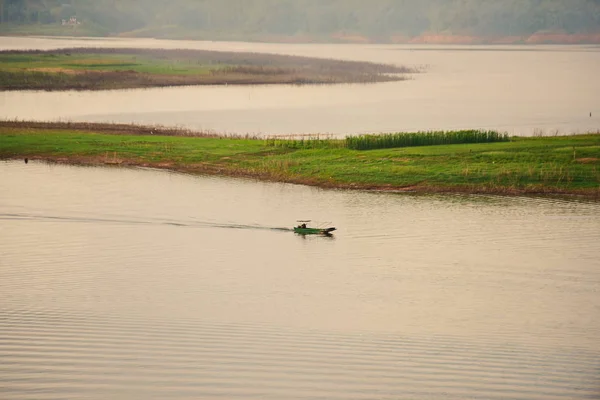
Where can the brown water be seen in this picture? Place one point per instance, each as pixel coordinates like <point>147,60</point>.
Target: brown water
<point>518,89</point>
<point>135,284</point>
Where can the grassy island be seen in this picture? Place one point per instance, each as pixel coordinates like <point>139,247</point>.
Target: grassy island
<point>533,165</point>
<point>96,69</point>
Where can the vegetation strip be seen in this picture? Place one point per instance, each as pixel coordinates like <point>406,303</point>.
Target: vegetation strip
<point>96,69</point>
<point>392,140</point>
<point>537,165</point>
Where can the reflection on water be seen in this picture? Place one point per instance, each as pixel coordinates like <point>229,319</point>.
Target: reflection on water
<point>518,89</point>
<point>127,283</point>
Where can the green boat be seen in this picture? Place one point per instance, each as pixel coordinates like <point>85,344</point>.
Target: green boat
<point>303,229</point>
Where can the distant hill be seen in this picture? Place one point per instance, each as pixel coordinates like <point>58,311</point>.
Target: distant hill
<point>416,21</point>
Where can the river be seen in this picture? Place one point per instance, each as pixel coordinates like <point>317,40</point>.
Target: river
<point>136,284</point>
<point>523,90</point>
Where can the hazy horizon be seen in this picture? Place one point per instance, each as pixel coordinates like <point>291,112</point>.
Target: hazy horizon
<point>380,20</point>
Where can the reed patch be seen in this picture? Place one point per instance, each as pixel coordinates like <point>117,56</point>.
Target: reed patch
<point>392,140</point>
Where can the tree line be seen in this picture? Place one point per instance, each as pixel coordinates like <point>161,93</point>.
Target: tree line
<point>373,18</point>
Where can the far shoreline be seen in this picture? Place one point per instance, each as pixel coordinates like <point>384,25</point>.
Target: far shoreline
<point>542,37</point>
<point>128,68</point>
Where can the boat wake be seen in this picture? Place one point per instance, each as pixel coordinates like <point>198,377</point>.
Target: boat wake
<point>134,221</point>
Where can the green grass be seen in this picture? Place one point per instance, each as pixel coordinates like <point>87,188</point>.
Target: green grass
<point>102,62</point>
<point>568,164</point>
<point>89,68</point>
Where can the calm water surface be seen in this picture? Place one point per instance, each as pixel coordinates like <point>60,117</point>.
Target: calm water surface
<point>135,284</point>
<point>518,89</point>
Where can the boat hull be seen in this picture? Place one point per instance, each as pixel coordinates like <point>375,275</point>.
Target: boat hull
<point>314,231</point>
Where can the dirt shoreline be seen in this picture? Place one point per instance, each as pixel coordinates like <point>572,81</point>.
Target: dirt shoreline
<point>213,170</point>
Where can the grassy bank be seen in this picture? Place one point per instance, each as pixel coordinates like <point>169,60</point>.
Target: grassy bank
<point>550,165</point>
<point>89,69</point>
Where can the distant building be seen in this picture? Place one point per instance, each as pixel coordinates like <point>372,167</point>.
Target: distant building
<point>71,22</point>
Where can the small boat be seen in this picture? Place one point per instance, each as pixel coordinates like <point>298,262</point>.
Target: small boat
<point>303,229</point>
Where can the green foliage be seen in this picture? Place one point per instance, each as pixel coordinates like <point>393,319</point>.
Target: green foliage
<point>310,142</point>
<point>375,18</point>
<point>391,140</point>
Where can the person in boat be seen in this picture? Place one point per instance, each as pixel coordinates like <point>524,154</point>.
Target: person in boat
<point>303,226</point>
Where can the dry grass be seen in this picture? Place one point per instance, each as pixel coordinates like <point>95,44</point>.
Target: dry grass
<point>118,129</point>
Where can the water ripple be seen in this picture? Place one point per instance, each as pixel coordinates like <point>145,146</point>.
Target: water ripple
<point>77,355</point>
